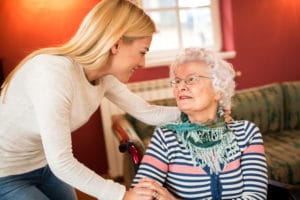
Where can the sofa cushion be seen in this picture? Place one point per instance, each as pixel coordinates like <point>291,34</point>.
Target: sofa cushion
<point>262,105</point>
<point>283,156</point>
<point>291,104</point>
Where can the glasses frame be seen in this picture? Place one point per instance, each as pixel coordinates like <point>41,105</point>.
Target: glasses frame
<point>189,80</point>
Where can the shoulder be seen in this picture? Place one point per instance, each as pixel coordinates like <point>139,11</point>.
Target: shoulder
<point>50,71</point>
<point>164,134</point>
<point>242,126</point>
<point>51,66</point>
<point>164,140</point>
<point>53,60</point>
<point>245,131</point>
<point>163,130</point>
<point>40,58</point>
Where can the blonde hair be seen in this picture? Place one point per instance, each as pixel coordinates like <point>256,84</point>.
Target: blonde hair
<point>104,25</point>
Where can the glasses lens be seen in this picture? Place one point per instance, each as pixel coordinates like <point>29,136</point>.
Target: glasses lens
<point>190,80</point>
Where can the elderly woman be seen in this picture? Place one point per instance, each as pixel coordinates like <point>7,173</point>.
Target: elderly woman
<point>201,156</point>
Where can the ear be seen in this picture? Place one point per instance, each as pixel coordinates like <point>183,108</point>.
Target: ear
<point>115,48</point>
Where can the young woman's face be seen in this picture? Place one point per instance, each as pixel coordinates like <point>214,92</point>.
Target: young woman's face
<point>196,96</point>
<point>127,57</point>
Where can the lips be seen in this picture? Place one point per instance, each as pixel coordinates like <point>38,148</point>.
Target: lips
<point>183,97</point>
<point>133,69</point>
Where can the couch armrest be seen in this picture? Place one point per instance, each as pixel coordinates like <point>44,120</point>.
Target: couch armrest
<point>129,140</point>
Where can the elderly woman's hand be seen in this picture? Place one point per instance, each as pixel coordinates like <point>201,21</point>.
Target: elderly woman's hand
<point>158,192</point>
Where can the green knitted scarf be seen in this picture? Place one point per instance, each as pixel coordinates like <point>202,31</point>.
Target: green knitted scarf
<point>211,144</point>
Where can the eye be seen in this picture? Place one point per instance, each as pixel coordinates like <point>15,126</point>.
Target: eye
<point>143,53</point>
<point>177,81</point>
<point>192,79</point>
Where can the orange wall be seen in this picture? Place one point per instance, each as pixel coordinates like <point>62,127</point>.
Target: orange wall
<point>265,34</point>
<point>27,25</point>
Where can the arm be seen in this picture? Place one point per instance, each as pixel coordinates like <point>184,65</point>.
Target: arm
<point>153,168</point>
<point>154,164</point>
<point>51,90</point>
<point>253,163</point>
<point>133,104</point>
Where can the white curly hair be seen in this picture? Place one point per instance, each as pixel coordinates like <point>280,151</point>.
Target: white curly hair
<point>222,72</point>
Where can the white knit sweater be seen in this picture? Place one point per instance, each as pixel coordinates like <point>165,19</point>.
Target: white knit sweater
<point>49,98</point>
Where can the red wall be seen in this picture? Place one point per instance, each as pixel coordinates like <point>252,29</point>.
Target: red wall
<point>267,40</point>
<point>266,36</point>
<point>27,25</point>
<point>264,33</point>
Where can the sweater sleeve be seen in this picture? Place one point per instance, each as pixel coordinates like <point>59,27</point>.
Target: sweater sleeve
<point>136,106</point>
<point>253,163</point>
<point>50,88</point>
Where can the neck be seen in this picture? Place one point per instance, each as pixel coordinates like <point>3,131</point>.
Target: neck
<point>93,75</point>
<point>203,116</point>
<point>201,119</point>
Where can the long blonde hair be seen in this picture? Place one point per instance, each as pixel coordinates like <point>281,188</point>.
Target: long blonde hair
<point>104,25</point>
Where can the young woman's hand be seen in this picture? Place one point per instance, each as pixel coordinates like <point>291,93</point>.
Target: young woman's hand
<point>138,193</point>
<point>158,192</point>
<point>227,115</point>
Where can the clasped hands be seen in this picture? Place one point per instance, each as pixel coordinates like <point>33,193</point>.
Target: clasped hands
<point>148,189</point>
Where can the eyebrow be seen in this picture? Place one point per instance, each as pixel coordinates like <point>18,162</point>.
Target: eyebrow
<point>191,74</point>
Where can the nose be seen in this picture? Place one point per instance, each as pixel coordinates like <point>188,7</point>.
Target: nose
<point>182,85</point>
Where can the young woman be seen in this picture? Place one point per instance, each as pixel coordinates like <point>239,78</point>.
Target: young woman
<point>54,91</point>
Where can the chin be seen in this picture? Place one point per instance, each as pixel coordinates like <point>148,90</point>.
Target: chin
<point>184,109</point>
<point>123,79</point>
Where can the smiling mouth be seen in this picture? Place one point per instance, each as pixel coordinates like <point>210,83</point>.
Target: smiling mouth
<point>133,69</point>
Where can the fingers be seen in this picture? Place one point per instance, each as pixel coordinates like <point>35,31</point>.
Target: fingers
<point>227,111</point>
<point>148,183</point>
<point>158,191</point>
<point>139,193</point>
<point>155,195</point>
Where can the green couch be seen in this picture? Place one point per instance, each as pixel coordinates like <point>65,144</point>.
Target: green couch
<point>274,108</point>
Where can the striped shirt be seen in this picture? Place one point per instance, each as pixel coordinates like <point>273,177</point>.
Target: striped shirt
<point>169,162</point>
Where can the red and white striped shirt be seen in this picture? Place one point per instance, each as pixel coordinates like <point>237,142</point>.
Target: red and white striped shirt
<point>169,162</point>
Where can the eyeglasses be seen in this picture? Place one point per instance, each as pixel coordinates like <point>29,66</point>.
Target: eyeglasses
<point>189,80</point>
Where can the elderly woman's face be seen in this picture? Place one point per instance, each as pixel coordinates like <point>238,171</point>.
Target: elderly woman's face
<point>193,89</point>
